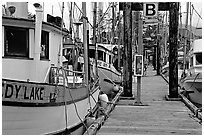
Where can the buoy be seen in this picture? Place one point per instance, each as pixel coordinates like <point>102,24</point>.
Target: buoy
<point>104,100</point>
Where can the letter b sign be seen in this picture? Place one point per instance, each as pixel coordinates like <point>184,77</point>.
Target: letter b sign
<point>150,9</point>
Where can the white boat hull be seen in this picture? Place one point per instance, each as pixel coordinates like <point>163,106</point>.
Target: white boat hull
<point>107,79</point>
<point>32,117</point>
<point>193,86</point>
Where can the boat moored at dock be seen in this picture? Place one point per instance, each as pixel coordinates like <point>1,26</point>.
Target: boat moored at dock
<point>39,95</point>
<point>191,81</point>
<point>109,76</point>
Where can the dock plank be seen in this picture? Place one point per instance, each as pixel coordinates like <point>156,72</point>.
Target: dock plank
<point>158,117</point>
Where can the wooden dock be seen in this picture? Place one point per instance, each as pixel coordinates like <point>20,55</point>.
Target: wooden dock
<point>156,117</point>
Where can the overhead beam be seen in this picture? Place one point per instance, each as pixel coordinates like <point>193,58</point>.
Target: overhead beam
<point>163,6</point>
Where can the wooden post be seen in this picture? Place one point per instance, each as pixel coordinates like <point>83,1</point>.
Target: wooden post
<point>173,50</point>
<point>127,42</point>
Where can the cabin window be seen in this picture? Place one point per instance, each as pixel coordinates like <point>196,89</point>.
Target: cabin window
<point>104,57</point>
<point>198,58</point>
<point>100,55</point>
<point>110,60</point>
<point>191,61</point>
<point>92,53</point>
<point>16,42</point>
<point>44,54</point>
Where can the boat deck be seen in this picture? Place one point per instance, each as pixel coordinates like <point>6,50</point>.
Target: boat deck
<point>157,116</point>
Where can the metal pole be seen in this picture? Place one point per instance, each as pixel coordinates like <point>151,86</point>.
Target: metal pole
<point>94,37</point>
<point>140,52</point>
<point>85,43</point>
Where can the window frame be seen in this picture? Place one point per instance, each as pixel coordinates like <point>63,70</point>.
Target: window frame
<point>25,52</point>
<point>45,42</point>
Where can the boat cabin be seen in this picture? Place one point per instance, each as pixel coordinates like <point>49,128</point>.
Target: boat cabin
<point>107,56</point>
<point>29,47</point>
<point>195,57</point>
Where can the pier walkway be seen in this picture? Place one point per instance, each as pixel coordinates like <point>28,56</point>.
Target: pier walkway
<point>156,117</point>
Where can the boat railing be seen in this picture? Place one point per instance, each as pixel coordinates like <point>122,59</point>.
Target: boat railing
<point>63,76</point>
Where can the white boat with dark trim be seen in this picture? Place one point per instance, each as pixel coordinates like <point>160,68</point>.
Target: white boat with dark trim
<point>109,76</point>
<point>192,81</point>
<point>38,94</point>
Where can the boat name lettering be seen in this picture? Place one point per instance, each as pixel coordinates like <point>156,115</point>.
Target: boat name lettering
<point>53,97</point>
<point>105,65</point>
<point>99,63</point>
<point>23,92</point>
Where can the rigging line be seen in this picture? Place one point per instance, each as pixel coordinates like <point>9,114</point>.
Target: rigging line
<point>88,20</point>
<point>96,82</point>
<point>66,115</point>
<point>193,82</point>
<point>69,5</point>
<point>197,24</point>
<point>76,106</point>
<point>83,15</point>
<point>65,102</point>
<point>61,43</point>
<point>103,15</point>
<point>196,11</point>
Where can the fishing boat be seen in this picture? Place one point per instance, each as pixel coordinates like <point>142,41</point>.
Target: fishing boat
<point>191,81</point>
<point>39,95</point>
<point>109,76</point>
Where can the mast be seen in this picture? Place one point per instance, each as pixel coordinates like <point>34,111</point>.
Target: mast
<point>113,24</point>
<point>94,36</point>
<point>70,18</point>
<point>60,46</point>
<point>100,10</point>
<point>186,37</point>
<point>190,37</point>
<point>85,43</point>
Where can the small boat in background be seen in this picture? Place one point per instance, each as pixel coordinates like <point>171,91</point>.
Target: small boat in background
<point>109,76</point>
<point>191,81</point>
